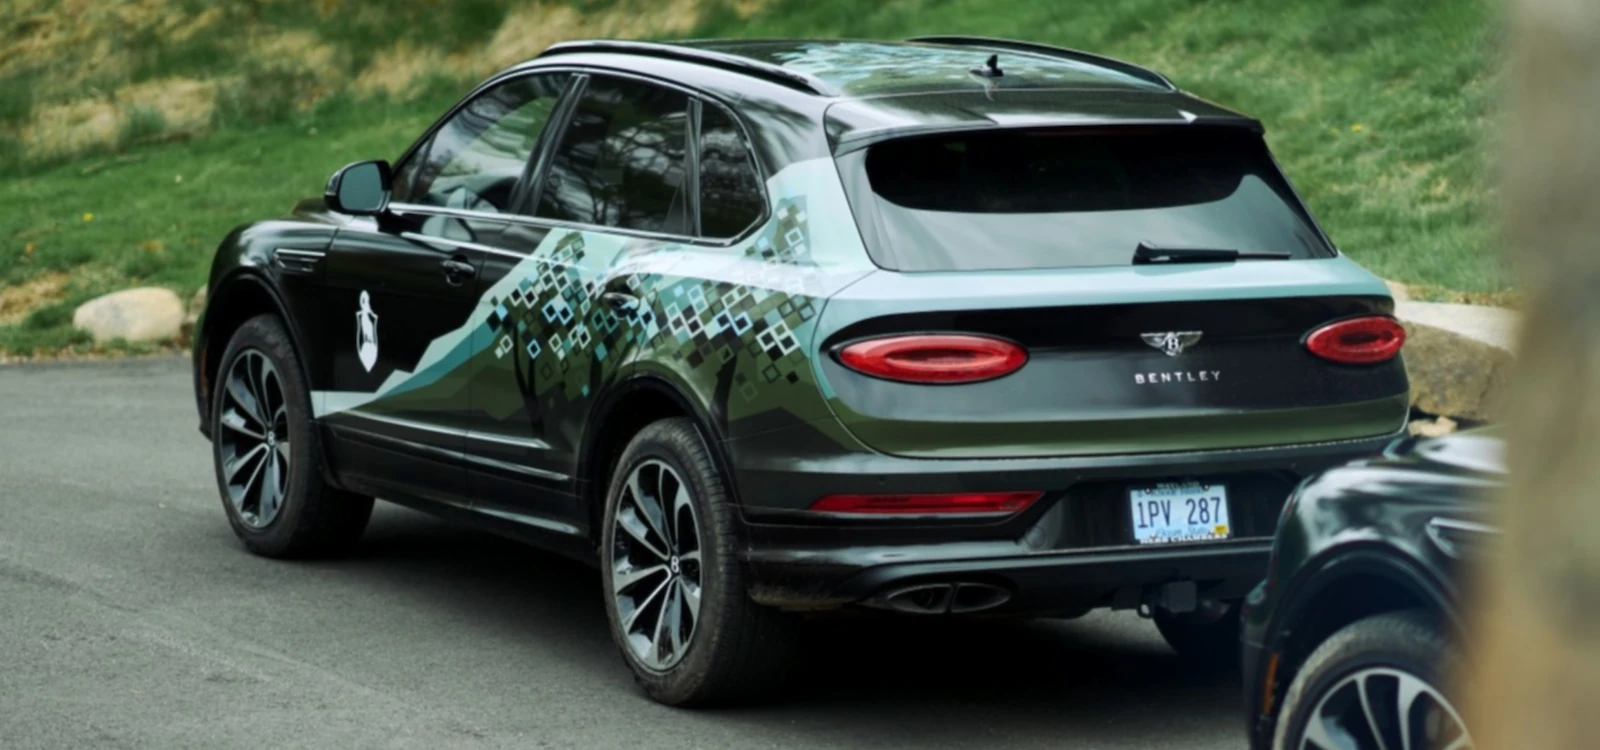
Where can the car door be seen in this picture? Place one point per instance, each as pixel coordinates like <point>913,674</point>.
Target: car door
<point>564,311</point>
<point>404,284</point>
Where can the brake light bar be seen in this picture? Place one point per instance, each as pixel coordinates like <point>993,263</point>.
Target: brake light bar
<point>954,503</point>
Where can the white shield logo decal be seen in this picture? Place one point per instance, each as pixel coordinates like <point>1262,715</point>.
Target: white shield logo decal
<point>367,333</point>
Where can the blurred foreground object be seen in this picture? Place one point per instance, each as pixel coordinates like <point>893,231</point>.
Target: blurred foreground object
<point>1539,617</point>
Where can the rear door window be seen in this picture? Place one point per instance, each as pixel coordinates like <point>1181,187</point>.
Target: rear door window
<point>621,162</point>
<point>1070,197</point>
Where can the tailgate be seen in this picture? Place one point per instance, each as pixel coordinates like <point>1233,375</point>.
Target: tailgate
<point>1102,376</point>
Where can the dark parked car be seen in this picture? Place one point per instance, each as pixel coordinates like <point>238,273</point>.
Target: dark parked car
<point>760,327</point>
<point>1349,642</point>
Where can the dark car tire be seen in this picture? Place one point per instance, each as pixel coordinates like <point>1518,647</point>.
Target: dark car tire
<point>737,651</point>
<point>312,518</point>
<point>1405,642</point>
<point>1208,636</point>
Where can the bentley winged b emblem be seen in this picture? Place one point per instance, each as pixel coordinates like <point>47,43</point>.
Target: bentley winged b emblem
<point>1171,343</point>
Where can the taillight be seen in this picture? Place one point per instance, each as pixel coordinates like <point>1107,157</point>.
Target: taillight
<point>935,358</point>
<point>1358,341</point>
<point>941,504</point>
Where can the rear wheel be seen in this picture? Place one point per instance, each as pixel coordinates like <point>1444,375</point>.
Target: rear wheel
<point>675,591</point>
<point>1209,635</point>
<point>1375,685</point>
<point>267,458</point>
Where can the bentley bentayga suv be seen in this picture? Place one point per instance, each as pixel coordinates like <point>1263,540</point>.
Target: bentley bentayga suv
<point>944,327</point>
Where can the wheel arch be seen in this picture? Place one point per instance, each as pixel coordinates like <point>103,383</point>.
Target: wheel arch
<point>1346,586</point>
<point>241,295</point>
<point>622,412</point>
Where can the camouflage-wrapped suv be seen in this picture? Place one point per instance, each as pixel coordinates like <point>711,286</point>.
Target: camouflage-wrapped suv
<point>762,327</point>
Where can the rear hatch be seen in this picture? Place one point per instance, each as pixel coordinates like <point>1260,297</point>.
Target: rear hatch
<point>1030,235</point>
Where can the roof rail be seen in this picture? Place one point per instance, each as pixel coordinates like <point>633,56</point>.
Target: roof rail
<point>776,74</point>
<point>1137,71</point>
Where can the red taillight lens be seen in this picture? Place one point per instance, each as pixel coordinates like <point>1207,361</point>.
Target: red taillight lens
<point>952,503</point>
<point>1358,341</point>
<point>935,358</point>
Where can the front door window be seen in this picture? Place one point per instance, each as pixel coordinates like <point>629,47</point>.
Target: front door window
<point>621,162</point>
<point>474,161</point>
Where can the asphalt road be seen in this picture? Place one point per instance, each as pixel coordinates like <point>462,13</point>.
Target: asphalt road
<point>130,617</point>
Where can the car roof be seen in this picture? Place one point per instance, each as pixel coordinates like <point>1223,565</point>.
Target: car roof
<point>878,68</point>
<point>862,68</point>
<point>873,90</point>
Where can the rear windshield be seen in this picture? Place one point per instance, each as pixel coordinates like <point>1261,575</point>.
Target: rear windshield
<point>1062,198</point>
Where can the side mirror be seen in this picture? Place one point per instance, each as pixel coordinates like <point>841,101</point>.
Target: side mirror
<point>360,189</point>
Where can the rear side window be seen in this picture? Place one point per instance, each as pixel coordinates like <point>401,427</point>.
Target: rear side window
<point>621,162</point>
<point>730,190</point>
<point>1063,198</point>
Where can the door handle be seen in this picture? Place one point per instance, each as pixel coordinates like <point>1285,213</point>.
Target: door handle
<point>621,300</point>
<point>457,269</point>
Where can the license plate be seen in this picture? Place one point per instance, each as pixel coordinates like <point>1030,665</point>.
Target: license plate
<point>1173,512</point>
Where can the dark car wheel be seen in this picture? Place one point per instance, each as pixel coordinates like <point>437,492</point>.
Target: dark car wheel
<point>1209,635</point>
<point>267,458</point>
<point>674,588</point>
<point>1375,684</point>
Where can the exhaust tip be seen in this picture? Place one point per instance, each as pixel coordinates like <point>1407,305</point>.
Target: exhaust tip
<point>921,599</point>
<point>977,597</point>
<point>941,598</point>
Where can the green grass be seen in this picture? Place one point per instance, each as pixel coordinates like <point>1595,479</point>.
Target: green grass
<point>1378,110</point>
<point>154,215</point>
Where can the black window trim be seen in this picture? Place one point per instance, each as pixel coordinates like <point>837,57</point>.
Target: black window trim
<point>587,72</point>
<point>691,177</point>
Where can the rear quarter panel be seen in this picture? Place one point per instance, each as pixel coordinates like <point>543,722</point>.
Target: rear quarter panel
<point>737,325</point>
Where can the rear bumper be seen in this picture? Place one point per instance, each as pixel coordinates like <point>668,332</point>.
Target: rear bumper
<point>1040,583</point>
<point>1072,550</point>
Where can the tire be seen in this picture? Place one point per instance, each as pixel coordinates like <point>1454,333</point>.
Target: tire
<point>309,517</point>
<point>734,650</point>
<point>1379,651</point>
<point>1208,636</point>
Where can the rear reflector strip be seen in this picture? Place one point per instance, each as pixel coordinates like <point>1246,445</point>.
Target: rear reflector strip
<point>943,504</point>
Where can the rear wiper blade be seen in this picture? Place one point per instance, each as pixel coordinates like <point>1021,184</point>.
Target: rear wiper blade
<point>1148,253</point>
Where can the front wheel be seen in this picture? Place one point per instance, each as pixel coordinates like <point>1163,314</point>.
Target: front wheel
<point>267,458</point>
<point>1375,685</point>
<point>675,591</point>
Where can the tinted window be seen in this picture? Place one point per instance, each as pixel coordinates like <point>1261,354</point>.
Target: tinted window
<point>621,160</point>
<point>475,159</point>
<point>730,190</point>
<point>1049,199</point>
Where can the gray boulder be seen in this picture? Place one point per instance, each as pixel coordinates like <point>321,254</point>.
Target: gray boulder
<point>197,304</point>
<point>144,314</point>
<point>1458,357</point>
